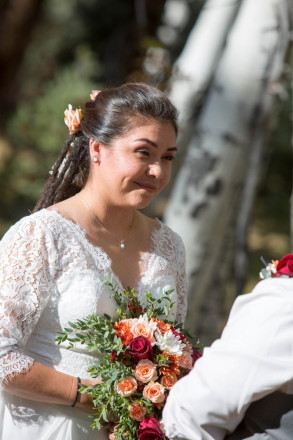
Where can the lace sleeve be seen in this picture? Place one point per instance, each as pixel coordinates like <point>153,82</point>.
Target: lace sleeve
<point>181,284</point>
<point>25,277</point>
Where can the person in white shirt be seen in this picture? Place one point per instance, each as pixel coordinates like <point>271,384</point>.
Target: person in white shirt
<point>242,386</point>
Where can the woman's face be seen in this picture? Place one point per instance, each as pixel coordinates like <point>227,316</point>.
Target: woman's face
<point>137,166</point>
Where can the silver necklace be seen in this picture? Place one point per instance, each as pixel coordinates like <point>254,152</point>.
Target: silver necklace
<point>122,245</point>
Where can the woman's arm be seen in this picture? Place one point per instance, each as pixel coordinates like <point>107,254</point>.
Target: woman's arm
<point>27,270</point>
<point>44,384</point>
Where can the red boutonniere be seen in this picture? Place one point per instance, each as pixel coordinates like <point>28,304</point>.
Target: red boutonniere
<point>278,269</point>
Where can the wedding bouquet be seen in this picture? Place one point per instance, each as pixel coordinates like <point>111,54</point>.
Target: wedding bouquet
<point>144,356</point>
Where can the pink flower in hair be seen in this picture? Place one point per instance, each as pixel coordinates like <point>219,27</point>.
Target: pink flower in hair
<point>94,94</point>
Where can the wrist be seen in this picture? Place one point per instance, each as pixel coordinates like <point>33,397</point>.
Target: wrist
<point>77,393</point>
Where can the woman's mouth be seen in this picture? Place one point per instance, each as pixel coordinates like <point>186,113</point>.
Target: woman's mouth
<point>147,187</point>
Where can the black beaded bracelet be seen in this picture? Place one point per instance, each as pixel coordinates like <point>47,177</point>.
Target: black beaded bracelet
<point>77,392</point>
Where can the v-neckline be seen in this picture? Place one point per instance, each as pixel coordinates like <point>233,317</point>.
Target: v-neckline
<point>95,249</point>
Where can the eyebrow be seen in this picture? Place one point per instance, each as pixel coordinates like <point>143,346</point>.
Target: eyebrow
<point>153,144</point>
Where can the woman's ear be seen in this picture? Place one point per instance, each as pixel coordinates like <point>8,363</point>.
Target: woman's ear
<point>94,146</point>
<point>94,150</point>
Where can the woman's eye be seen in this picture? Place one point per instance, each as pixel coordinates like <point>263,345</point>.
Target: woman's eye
<point>144,152</point>
<point>169,157</point>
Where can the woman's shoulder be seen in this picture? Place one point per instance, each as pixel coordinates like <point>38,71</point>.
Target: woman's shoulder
<point>37,223</point>
<point>170,233</point>
<point>165,237</point>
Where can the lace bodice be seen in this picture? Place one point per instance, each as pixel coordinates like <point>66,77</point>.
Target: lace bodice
<point>51,274</point>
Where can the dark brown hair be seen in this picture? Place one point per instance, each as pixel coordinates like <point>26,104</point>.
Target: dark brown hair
<point>111,115</point>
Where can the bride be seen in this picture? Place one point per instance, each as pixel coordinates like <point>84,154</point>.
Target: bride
<point>86,225</point>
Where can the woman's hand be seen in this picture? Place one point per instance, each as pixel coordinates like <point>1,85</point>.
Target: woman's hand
<point>84,400</point>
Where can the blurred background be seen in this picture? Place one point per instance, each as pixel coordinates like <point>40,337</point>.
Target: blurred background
<point>226,65</point>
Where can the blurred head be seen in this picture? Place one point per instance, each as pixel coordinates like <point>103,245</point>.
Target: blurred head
<point>110,116</point>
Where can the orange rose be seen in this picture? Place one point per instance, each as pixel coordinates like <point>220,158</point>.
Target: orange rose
<point>72,118</point>
<point>169,380</point>
<point>154,391</point>
<point>137,411</point>
<point>185,360</point>
<point>123,330</point>
<point>127,386</point>
<point>145,371</point>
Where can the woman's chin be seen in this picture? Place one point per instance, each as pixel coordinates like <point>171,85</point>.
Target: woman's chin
<point>141,204</point>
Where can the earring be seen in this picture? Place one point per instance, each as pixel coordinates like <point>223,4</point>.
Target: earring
<point>95,159</point>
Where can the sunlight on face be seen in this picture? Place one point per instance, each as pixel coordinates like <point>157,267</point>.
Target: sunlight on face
<point>137,166</point>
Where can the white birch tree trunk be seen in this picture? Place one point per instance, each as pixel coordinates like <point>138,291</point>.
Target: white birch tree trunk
<point>207,193</point>
<point>196,65</point>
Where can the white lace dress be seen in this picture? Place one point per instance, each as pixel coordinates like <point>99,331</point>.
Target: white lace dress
<point>51,274</point>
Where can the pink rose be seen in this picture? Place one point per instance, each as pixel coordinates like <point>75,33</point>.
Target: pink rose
<point>127,386</point>
<point>149,429</point>
<point>141,348</point>
<point>285,266</point>
<point>137,411</point>
<point>146,371</point>
<point>185,360</point>
<point>94,94</point>
<point>154,392</point>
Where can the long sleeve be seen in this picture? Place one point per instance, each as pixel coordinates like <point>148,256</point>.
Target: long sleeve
<point>181,282</point>
<point>26,271</point>
<point>253,358</point>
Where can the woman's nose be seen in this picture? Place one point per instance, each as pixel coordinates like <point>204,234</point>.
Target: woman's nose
<point>155,170</point>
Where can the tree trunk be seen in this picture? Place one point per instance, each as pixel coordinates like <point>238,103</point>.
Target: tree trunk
<point>18,18</point>
<point>209,187</point>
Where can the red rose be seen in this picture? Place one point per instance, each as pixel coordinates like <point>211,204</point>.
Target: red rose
<point>195,355</point>
<point>285,266</point>
<point>141,348</point>
<point>149,429</point>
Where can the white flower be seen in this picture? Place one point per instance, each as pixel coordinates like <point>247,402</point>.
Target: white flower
<point>271,267</point>
<point>169,342</point>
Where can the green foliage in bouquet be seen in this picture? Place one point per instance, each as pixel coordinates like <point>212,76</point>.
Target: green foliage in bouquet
<point>143,357</point>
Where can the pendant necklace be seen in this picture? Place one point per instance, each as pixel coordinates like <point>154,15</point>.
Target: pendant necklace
<point>122,245</point>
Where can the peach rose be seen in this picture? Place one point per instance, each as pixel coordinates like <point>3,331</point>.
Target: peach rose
<point>169,380</point>
<point>154,391</point>
<point>145,328</point>
<point>137,411</point>
<point>145,371</point>
<point>185,360</point>
<point>127,386</point>
<point>94,94</point>
<point>72,118</point>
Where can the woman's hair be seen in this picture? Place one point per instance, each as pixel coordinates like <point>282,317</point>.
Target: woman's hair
<point>112,113</point>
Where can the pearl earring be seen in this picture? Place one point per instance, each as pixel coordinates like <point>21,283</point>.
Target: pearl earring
<point>95,159</point>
